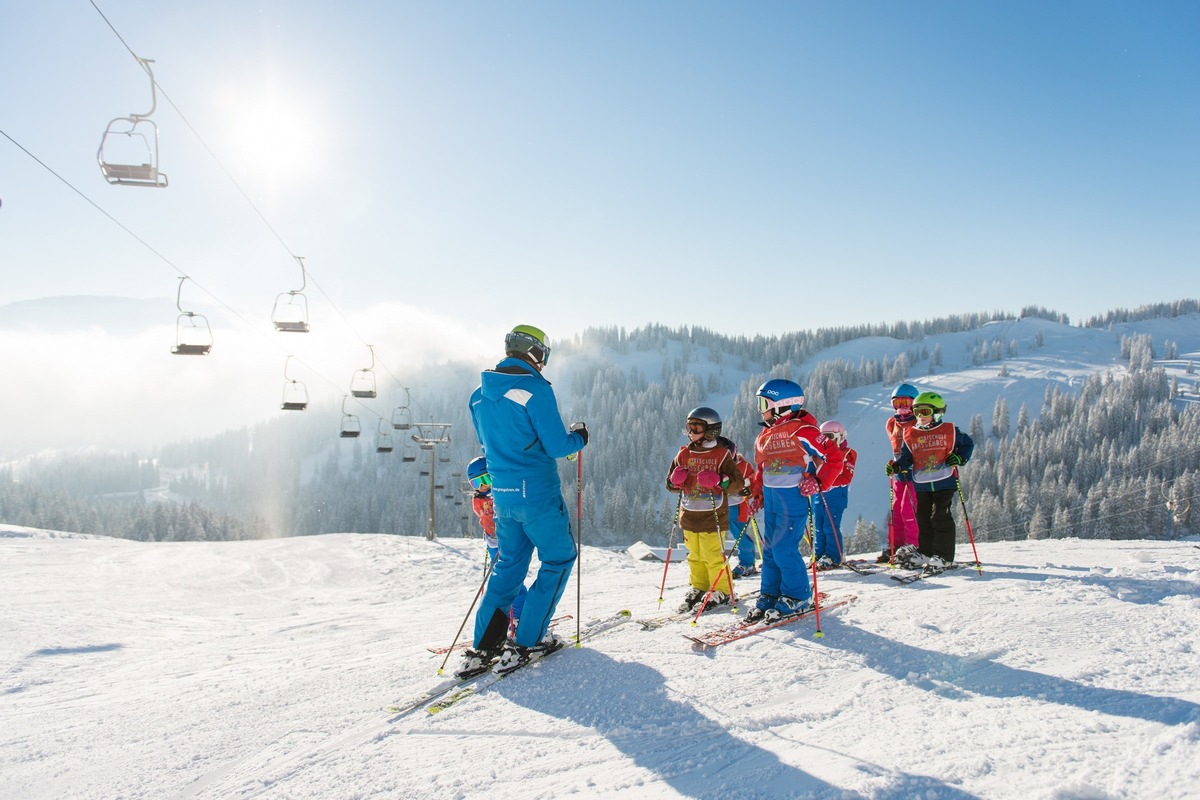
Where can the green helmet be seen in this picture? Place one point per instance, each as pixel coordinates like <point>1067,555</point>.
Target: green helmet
<point>528,340</point>
<point>931,399</point>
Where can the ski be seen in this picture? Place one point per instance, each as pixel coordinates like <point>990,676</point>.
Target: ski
<point>465,643</point>
<point>654,623</point>
<point>742,630</point>
<point>926,572</point>
<point>460,685</point>
<point>864,567</point>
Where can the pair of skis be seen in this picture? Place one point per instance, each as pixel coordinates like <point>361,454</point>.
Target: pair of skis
<point>654,623</point>
<point>742,630</point>
<point>929,572</point>
<point>453,690</point>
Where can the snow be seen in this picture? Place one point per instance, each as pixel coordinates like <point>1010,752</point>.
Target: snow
<point>263,669</point>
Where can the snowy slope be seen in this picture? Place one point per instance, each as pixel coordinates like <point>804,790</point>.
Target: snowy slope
<point>262,669</point>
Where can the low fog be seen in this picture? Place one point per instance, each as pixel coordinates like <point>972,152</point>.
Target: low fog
<point>91,372</point>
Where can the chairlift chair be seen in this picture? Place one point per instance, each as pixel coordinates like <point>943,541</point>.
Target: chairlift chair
<point>362,382</point>
<point>383,442</point>
<point>350,425</point>
<point>401,418</point>
<point>407,455</point>
<point>193,334</point>
<point>128,152</point>
<point>295,396</point>
<point>290,313</point>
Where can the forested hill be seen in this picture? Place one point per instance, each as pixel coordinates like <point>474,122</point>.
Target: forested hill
<point>1078,428</point>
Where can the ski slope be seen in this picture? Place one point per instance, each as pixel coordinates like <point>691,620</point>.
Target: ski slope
<point>263,669</point>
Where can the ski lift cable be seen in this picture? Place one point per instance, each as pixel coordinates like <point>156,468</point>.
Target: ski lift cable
<point>310,277</point>
<point>232,311</point>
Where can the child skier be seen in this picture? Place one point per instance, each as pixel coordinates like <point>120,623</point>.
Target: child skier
<point>485,509</point>
<point>933,450</point>
<point>704,472</point>
<point>788,445</point>
<point>739,515</point>
<point>831,503</point>
<point>902,525</point>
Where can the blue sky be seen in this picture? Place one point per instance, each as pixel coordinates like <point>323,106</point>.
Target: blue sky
<point>753,168</point>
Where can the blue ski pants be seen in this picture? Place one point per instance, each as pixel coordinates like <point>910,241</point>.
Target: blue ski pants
<point>785,515</point>
<point>518,604</point>
<point>521,528</point>
<point>745,545</point>
<point>827,519</point>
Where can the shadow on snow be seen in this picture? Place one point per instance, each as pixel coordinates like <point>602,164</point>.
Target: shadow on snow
<point>628,703</point>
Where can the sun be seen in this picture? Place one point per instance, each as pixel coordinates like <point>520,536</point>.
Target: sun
<point>270,134</point>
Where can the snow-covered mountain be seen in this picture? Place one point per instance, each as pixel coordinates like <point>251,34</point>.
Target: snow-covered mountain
<point>1064,671</point>
<point>632,387</point>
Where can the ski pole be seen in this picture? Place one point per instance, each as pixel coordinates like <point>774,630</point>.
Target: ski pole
<point>758,540</point>
<point>579,549</point>
<point>837,537</point>
<point>892,521</point>
<point>816,595</point>
<point>670,545</point>
<point>970,535</point>
<point>486,573</point>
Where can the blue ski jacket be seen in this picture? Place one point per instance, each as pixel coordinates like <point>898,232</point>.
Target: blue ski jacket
<point>519,427</point>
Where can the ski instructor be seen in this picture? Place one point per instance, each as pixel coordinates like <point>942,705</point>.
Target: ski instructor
<point>517,421</point>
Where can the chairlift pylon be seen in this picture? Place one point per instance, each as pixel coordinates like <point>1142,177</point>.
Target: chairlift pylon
<point>128,152</point>
<point>195,337</point>
<point>350,425</point>
<point>295,396</point>
<point>362,382</point>
<point>290,312</point>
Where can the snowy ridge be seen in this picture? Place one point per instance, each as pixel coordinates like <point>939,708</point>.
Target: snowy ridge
<point>261,669</point>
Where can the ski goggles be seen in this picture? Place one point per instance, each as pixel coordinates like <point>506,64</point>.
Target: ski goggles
<point>764,404</point>
<point>698,428</point>
<point>923,411</point>
<point>901,402</point>
<point>480,481</point>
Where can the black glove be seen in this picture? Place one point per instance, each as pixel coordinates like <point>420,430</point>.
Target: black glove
<point>581,429</point>
<point>954,460</point>
<point>890,468</point>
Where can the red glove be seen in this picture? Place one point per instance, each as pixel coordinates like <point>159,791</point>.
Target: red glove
<point>809,485</point>
<point>754,504</point>
<point>679,476</point>
<point>708,480</point>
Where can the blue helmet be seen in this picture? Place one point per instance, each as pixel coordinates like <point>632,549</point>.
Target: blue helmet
<point>476,467</point>
<point>905,390</point>
<point>780,395</point>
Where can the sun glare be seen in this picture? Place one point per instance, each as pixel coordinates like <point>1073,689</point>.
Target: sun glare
<point>271,135</point>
